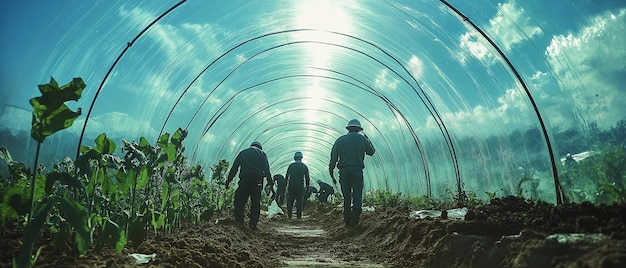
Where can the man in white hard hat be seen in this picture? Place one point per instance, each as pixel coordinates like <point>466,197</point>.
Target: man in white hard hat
<point>254,167</point>
<point>347,155</point>
<point>297,183</point>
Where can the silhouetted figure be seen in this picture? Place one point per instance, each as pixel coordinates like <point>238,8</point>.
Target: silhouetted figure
<point>347,154</point>
<point>325,191</point>
<point>297,176</point>
<point>254,167</point>
<point>569,160</point>
<point>281,188</point>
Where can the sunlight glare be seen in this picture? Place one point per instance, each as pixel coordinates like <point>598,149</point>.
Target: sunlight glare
<point>323,15</point>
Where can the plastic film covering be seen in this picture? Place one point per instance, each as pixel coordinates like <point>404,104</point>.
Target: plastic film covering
<point>477,96</point>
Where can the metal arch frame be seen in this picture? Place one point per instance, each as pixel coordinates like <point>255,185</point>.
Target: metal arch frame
<point>560,196</point>
<point>128,45</point>
<point>559,193</point>
<point>425,99</point>
<point>391,106</point>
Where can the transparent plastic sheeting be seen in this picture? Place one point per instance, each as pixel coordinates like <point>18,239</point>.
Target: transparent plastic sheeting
<point>447,91</point>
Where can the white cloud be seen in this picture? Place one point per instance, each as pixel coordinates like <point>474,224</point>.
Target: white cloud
<point>591,64</point>
<point>513,102</point>
<point>485,121</point>
<point>416,67</point>
<point>509,27</point>
<point>471,43</point>
<point>198,42</point>
<point>512,25</point>
<point>384,81</point>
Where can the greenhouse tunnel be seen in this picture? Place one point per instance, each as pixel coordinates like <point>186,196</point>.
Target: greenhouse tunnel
<point>476,96</point>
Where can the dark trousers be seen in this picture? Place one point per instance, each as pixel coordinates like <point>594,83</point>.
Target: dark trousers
<point>295,194</point>
<point>250,186</point>
<point>351,180</point>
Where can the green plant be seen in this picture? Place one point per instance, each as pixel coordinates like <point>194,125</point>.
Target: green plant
<point>117,197</point>
<point>491,195</point>
<point>51,114</point>
<point>386,198</point>
<point>220,198</point>
<point>599,178</point>
<point>462,199</point>
<point>612,188</point>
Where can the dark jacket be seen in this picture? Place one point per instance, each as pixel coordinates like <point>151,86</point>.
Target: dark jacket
<point>281,182</point>
<point>297,175</point>
<point>326,188</point>
<point>253,161</point>
<point>349,151</point>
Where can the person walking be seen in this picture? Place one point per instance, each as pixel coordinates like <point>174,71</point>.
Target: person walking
<point>297,183</point>
<point>325,190</point>
<point>281,188</point>
<point>254,167</point>
<point>347,155</point>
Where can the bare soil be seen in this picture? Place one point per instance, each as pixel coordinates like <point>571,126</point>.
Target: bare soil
<point>509,232</point>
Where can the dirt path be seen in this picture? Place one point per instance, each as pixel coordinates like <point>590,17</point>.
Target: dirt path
<point>509,232</point>
<point>306,243</point>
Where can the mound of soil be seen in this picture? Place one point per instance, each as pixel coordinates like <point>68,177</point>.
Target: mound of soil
<point>509,232</point>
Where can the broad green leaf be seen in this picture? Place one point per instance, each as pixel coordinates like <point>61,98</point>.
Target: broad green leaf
<point>46,122</point>
<point>125,181</point>
<point>107,185</point>
<point>157,220</point>
<point>78,217</point>
<point>175,195</point>
<point>164,141</point>
<point>64,178</point>
<point>178,137</point>
<point>164,193</point>
<point>114,235</point>
<point>50,114</point>
<point>17,199</point>
<point>31,234</point>
<point>105,145</point>
<point>84,149</point>
<point>143,178</point>
<point>40,190</point>
<point>71,91</point>
<point>171,152</point>
<point>83,162</point>
<point>143,142</point>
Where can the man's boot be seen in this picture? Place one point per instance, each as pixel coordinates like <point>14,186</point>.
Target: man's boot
<point>346,217</point>
<point>356,215</point>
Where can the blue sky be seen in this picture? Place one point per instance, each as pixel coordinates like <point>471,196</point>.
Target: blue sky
<point>569,54</point>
